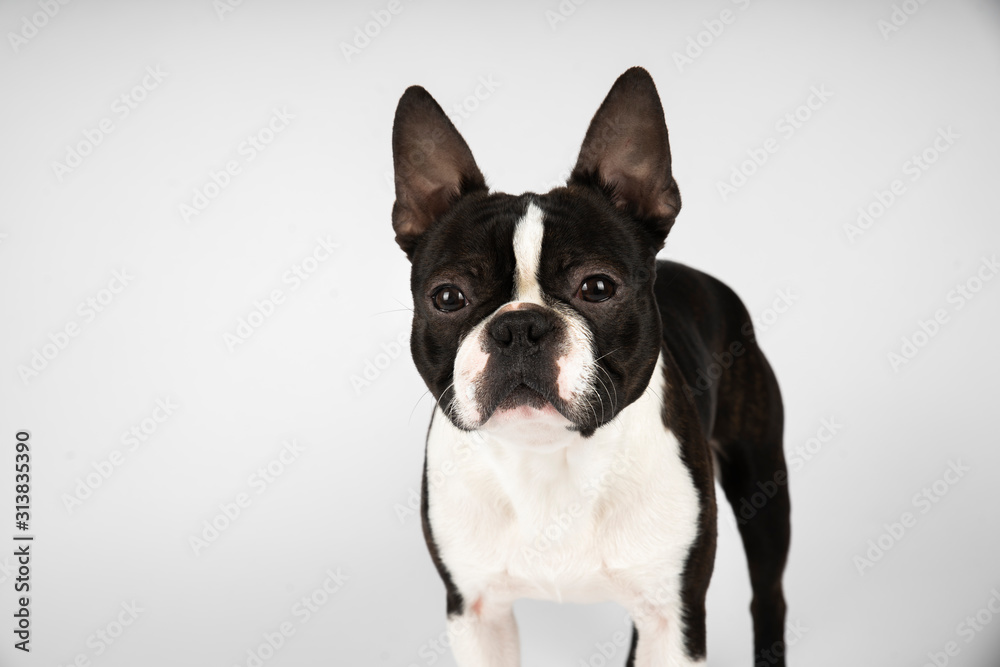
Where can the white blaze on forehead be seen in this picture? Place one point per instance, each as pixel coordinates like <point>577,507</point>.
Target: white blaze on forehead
<point>527,253</point>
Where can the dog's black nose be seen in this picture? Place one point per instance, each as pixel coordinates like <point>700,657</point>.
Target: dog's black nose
<point>520,330</point>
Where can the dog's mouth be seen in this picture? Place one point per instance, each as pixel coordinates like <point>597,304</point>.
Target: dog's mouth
<point>519,395</point>
<point>523,402</point>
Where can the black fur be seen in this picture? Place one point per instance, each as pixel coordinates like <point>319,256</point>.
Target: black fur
<point>454,603</point>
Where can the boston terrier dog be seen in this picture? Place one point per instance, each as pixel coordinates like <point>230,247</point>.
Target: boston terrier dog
<point>587,393</point>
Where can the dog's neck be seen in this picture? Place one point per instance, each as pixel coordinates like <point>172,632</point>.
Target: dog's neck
<point>543,457</point>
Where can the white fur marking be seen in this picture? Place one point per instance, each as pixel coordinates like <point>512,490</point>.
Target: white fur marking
<point>470,364</point>
<point>566,524</point>
<point>527,254</point>
<point>571,370</point>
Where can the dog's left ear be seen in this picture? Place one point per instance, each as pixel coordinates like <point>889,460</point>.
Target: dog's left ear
<point>626,153</point>
<point>433,164</point>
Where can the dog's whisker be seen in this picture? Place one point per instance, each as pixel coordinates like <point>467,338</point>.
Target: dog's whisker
<point>395,310</point>
<point>614,399</point>
<point>606,354</point>
<point>445,391</point>
<point>598,378</point>
<point>591,406</point>
<point>415,406</point>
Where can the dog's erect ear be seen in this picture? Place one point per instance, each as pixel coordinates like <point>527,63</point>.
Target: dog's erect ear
<point>626,153</point>
<point>433,164</point>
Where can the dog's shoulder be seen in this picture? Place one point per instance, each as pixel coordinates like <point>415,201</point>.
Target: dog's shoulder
<point>705,328</point>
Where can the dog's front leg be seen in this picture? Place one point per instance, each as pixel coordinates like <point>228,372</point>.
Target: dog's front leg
<point>662,642</point>
<point>485,637</point>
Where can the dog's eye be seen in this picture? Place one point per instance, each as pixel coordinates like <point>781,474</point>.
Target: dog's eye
<point>448,298</point>
<point>597,288</point>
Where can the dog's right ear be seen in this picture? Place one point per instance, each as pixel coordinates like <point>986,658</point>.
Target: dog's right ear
<point>433,164</point>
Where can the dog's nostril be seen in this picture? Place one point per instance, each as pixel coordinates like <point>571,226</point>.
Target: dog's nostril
<point>503,335</point>
<point>536,330</point>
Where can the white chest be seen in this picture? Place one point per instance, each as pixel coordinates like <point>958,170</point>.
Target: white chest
<point>609,517</point>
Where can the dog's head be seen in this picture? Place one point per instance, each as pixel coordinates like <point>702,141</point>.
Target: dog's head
<point>535,313</point>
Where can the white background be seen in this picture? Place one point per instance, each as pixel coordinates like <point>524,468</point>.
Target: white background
<point>339,505</point>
